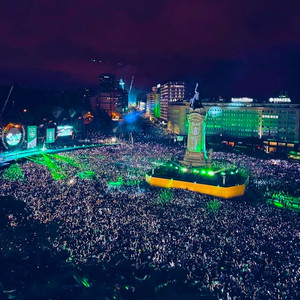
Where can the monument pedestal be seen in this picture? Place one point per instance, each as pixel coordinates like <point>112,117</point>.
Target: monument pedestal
<point>195,155</point>
<point>194,159</point>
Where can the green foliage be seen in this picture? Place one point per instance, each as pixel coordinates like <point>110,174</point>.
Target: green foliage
<point>13,173</point>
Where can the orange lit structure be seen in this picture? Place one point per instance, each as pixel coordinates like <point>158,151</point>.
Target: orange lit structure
<point>217,191</point>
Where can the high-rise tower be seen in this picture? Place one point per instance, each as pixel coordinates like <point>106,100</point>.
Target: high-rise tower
<point>171,91</point>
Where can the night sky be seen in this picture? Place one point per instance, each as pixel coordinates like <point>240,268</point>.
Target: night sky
<point>232,48</point>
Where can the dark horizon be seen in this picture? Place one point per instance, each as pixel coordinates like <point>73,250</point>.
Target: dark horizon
<point>232,50</point>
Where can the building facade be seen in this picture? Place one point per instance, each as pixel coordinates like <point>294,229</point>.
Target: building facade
<point>111,97</point>
<point>276,123</point>
<point>171,91</point>
<point>177,117</point>
<point>151,101</point>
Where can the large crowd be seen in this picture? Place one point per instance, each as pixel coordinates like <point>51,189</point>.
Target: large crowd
<point>245,249</point>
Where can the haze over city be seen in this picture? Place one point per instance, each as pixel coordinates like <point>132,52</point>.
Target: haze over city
<point>232,48</point>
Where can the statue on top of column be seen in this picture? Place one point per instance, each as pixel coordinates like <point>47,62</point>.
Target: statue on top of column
<point>195,101</point>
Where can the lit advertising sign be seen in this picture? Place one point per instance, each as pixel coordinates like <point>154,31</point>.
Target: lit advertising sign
<point>31,136</point>
<point>65,130</point>
<point>243,99</point>
<point>50,137</point>
<point>280,100</point>
<point>13,135</point>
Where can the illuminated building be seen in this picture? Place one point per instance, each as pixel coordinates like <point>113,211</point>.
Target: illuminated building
<point>151,101</point>
<point>294,156</point>
<point>141,100</point>
<point>177,117</point>
<point>275,122</point>
<point>111,97</point>
<point>238,120</point>
<point>157,106</point>
<point>171,91</point>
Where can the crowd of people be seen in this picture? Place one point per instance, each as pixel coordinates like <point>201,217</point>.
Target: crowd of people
<point>243,250</point>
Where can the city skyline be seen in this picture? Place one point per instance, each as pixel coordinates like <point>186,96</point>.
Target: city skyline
<point>231,49</point>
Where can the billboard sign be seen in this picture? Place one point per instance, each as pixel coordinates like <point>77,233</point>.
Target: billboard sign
<point>13,135</point>
<point>50,138</point>
<point>66,130</point>
<point>31,136</point>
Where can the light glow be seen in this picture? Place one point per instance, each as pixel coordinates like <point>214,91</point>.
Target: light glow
<point>280,100</point>
<point>242,100</point>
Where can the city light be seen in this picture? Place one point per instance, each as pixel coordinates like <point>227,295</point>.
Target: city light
<point>280,100</point>
<point>242,100</point>
<point>71,181</point>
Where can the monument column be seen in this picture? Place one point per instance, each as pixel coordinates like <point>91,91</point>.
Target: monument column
<point>195,155</point>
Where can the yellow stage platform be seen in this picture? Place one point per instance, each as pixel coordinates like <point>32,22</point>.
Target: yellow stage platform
<point>217,191</point>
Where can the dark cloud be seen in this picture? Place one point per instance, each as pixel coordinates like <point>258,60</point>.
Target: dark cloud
<point>231,47</point>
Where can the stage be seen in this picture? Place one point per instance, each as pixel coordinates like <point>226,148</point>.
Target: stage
<point>223,183</point>
<point>10,156</point>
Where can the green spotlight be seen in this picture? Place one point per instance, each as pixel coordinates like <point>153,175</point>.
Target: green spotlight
<point>203,172</point>
<point>211,173</point>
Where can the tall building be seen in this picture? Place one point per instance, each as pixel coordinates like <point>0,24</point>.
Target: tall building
<point>171,91</point>
<point>107,83</point>
<point>157,104</point>
<point>141,99</point>
<point>111,97</point>
<point>153,101</point>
